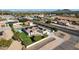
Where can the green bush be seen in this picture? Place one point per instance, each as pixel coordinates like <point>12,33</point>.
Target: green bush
<point>48,21</point>
<point>55,29</point>
<point>11,25</point>
<point>5,43</point>
<point>22,20</point>
<point>37,37</point>
<point>45,35</point>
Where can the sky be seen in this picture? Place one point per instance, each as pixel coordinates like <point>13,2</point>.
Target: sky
<point>26,10</point>
<point>39,4</point>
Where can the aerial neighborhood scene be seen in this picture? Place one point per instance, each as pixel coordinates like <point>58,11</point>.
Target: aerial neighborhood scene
<point>39,29</point>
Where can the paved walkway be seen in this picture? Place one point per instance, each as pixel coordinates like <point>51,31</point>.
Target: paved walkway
<point>53,44</point>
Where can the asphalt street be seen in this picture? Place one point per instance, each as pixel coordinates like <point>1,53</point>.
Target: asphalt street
<point>67,30</point>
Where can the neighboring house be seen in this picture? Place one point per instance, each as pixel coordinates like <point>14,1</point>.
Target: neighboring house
<point>28,17</point>
<point>8,17</point>
<point>17,25</point>
<point>32,31</point>
<point>2,23</point>
<point>12,21</point>
<point>29,23</point>
<point>67,18</point>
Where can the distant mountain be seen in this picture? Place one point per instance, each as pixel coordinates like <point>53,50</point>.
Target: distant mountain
<point>43,10</point>
<point>28,10</point>
<point>63,11</point>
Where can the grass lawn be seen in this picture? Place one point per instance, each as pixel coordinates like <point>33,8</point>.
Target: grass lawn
<point>18,34</point>
<point>25,38</point>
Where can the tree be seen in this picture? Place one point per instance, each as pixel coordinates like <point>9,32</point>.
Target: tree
<point>54,29</point>
<point>48,21</point>
<point>77,15</point>
<point>74,22</point>
<point>16,36</point>
<point>11,25</point>
<point>22,19</point>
